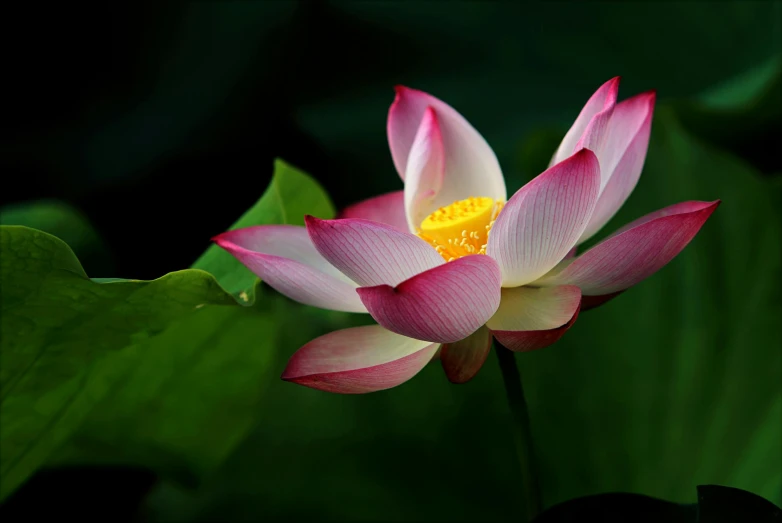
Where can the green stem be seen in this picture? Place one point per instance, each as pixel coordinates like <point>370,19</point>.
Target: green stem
<point>522,436</point>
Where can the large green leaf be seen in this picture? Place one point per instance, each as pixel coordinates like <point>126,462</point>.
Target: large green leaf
<point>290,195</point>
<point>675,383</point>
<point>192,393</point>
<point>55,323</point>
<point>67,223</point>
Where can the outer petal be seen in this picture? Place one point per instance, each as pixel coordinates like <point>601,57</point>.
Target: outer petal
<point>358,360</point>
<point>463,359</point>
<point>533,318</point>
<point>471,167</point>
<point>581,133</point>
<point>444,304</point>
<point>424,171</point>
<point>635,253</point>
<point>543,220</point>
<point>622,157</point>
<point>371,253</point>
<point>388,208</point>
<point>284,257</point>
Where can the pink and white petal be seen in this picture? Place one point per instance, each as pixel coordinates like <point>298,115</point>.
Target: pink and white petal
<point>284,257</point>
<point>388,208</point>
<point>358,360</point>
<point>544,219</point>
<point>371,253</point>
<point>603,99</point>
<point>424,172</point>
<point>532,318</point>
<point>444,305</point>
<point>525,341</point>
<point>622,157</point>
<point>535,308</point>
<point>471,167</point>
<point>463,359</point>
<point>594,139</point>
<point>632,255</point>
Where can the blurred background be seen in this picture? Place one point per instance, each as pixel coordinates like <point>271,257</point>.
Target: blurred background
<point>136,133</point>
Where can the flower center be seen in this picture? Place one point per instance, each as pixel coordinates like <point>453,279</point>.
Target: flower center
<point>461,228</point>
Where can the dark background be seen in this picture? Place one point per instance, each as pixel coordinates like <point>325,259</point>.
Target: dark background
<point>160,124</point>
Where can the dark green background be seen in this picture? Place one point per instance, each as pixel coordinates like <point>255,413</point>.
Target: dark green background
<point>160,124</point>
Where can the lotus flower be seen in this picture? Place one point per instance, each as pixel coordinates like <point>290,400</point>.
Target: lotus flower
<point>448,263</point>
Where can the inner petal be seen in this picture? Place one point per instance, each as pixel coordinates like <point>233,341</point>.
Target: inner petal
<point>461,228</point>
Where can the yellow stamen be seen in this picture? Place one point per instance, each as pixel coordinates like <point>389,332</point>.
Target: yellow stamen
<point>461,228</point>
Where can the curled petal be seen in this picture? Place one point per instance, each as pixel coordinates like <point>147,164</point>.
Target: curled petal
<point>387,208</point>
<point>371,253</point>
<point>424,171</point>
<point>358,360</point>
<point>622,157</point>
<point>284,257</point>
<point>543,220</point>
<point>463,359</point>
<point>471,167</point>
<point>532,318</point>
<point>635,252</point>
<point>581,133</point>
<point>444,304</point>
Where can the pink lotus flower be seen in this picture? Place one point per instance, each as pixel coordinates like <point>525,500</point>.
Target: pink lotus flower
<point>446,264</point>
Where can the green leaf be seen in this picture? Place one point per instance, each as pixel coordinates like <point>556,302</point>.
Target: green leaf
<point>187,398</point>
<point>675,383</point>
<point>55,324</point>
<point>64,221</point>
<point>193,392</point>
<point>290,195</point>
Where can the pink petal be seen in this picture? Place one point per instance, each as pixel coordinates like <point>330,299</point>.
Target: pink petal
<point>532,318</point>
<point>635,253</point>
<point>371,253</point>
<point>525,341</point>
<point>622,157</point>
<point>471,168</point>
<point>424,172</point>
<point>284,257</point>
<point>463,359</point>
<point>388,208</point>
<point>358,360</point>
<point>444,304</point>
<point>543,220</point>
<point>581,134</point>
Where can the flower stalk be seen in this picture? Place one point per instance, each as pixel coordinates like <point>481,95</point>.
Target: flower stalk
<point>522,434</point>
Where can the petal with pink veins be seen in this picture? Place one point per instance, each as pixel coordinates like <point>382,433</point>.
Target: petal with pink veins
<point>424,172</point>
<point>544,219</point>
<point>635,252</point>
<point>445,304</point>
<point>371,253</point>
<point>358,360</point>
<point>388,208</point>
<point>532,318</point>
<point>463,359</point>
<point>470,166</point>
<point>285,258</point>
<point>622,157</point>
<point>581,133</point>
